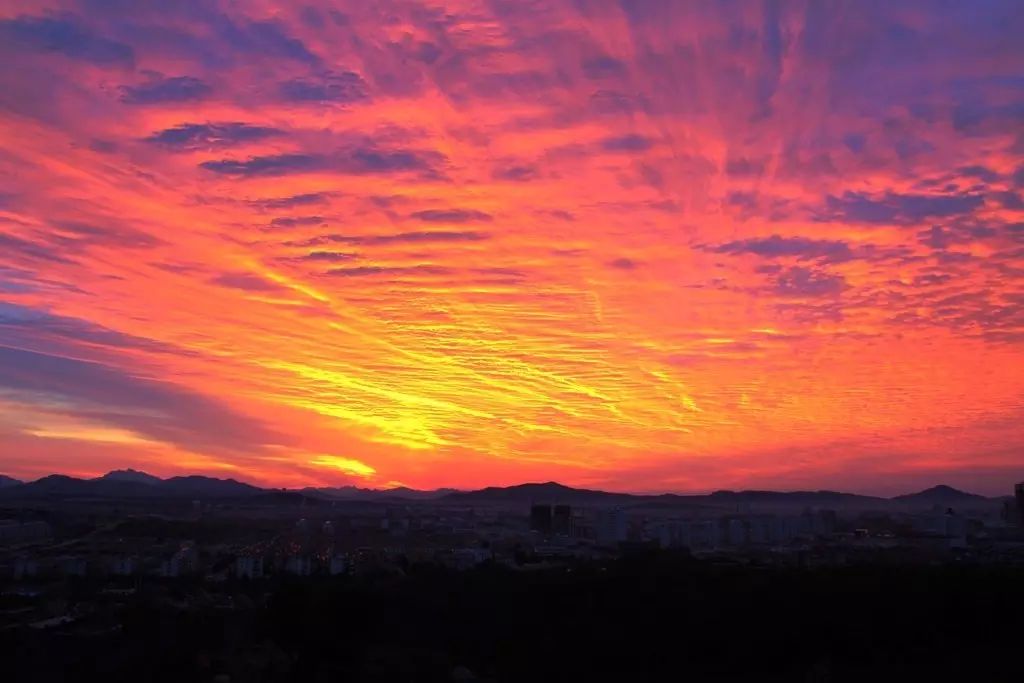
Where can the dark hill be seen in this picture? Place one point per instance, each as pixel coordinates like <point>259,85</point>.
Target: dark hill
<point>132,486</point>
<point>6,482</point>
<point>195,485</point>
<point>61,486</point>
<point>942,495</point>
<point>547,492</point>
<point>132,476</point>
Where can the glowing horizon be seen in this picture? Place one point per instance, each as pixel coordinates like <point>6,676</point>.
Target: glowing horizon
<point>636,246</point>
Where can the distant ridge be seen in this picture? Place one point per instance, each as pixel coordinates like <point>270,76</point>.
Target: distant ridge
<point>815,497</point>
<point>6,481</point>
<point>209,486</point>
<point>546,492</point>
<point>357,493</point>
<point>62,486</point>
<point>941,495</point>
<point>129,483</point>
<point>130,475</point>
<point>553,492</point>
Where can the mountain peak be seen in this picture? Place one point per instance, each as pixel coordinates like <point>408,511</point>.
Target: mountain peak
<point>130,475</point>
<point>943,488</point>
<point>941,494</point>
<point>197,484</point>
<point>6,481</point>
<point>544,486</point>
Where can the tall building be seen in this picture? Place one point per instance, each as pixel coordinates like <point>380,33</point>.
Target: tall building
<point>183,562</point>
<point>1018,493</point>
<point>122,566</point>
<point>299,565</point>
<point>540,518</point>
<point>610,526</point>
<point>736,531</point>
<point>247,567</point>
<point>561,520</point>
<point>25,568</point>
<point>338,565</point>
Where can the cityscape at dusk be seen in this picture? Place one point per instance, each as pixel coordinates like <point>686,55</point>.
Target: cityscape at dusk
<point>637,246</point>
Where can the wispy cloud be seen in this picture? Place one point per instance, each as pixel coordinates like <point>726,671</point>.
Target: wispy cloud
<point>163,90</point>
<point>337,88</point>
<point>194,136</point>
<point>357,161</point>
<point>398,238</point>
<point>65,34</point>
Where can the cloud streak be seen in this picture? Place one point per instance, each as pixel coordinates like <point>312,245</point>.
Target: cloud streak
<point>358,161</point>
<point>197,136</point>
<point>161,90</point>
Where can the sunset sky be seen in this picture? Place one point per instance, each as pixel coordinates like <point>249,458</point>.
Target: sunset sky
<point>635,245</point>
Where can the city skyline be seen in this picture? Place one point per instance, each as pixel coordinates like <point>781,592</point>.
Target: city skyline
<point>627,246</point>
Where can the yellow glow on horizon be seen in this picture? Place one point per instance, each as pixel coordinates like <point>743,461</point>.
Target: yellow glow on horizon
<point>346,465</point>
<point>109,435</point>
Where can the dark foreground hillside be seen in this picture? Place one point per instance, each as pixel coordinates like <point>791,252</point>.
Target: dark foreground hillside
<point>655,618</point>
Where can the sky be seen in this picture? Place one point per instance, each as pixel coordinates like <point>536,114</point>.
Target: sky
<point>627,244</point>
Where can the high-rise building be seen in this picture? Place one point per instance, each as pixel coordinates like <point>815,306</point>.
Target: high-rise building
<point>561,520</point>
<point>338,565</point>
<point>122,566</point>
<point>736,531</point>
<point>1018,493</point>
<point>183,562</point>
<point>540,518</point>
<point>299,565</point>
<point>25,568</point>
<point>610,526</point>
<point>247,567</point>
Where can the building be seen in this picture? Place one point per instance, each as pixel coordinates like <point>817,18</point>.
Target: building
<point>122,566</point>
<point>824,522</point>
<point>610,527</point>
<point>73,566</point>
<point>467,558</point>
<point>1018,494</point>
<point>702,534</point>
<point>183,562</point>
<point>763,529</point>
<point>25,568</point>
<point>540,518</point>
<point>249,567</point>
<point>338,565</point>
<point>946,524</point>
<point>796,526</point>
<point>299,565</point>
<point>736,532</point>
<point>561,520</point>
